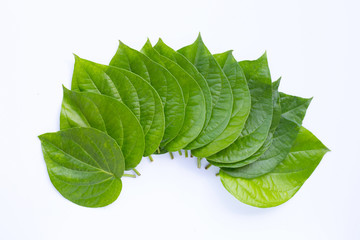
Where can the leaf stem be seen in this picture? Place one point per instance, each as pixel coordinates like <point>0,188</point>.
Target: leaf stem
<point>217,174</point>
<point>171,155</point>
<point>207,166</point>
<point>180,152</point>
<point>137,172</point>
<point>191,155</point>
<point>186,153</point>
<point>158,150</point>
<point>199,162</point>
<point>151,159</point>
<point>129,175</point>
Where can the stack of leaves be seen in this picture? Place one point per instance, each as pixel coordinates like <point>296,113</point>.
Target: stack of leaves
<point>159,100</point>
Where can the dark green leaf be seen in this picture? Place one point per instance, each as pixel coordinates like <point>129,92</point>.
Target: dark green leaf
<point>195,108</point>
<point>293,111</point>
<point>281,184</point>
<point>127,87</point>
<point>268,141</point>
<point>85,165</point>
<point>258,123</point>
<point>108,115</point>
<point>222,99</point>
<point>163,82</point>
<point>241,107</point>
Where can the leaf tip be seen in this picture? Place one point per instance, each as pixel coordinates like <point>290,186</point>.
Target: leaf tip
<point>199,38</point>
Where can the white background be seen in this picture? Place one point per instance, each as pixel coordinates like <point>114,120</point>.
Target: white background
<point>312,44</point>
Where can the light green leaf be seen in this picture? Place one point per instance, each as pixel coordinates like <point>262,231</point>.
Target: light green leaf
<point>293,111</point>
<point>184,63</point>
<point>241,106</point>
<point>85,165</point>
<point>281,184</point>
<point>222,98</point>
<point>108,115</point>
<point>164,83</point>
<point>130,89</point>
<point>258,123</point>
<point>195,108</point>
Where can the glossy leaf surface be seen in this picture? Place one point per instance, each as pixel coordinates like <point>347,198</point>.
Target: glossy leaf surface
<point>130,89</point>
<point>241,106</point>
<point>258,123</point>
<point>187,66</point>
<point>274,124</point>
<point>293,111</point>
<point>164,83</point>
<point>108,115</point>
<point>281,184</point>
<point>195,108</point>
<point>222,99</point>
<point>84,164</point>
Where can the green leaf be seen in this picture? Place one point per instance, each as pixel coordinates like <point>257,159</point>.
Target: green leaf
<point>187,66</point>
<point>241,107</point>
<point>258,123</point>
<point>108,115</point>
<point>85,165</point>
<point>127,87</point>
<point>293,111</point>
<point>222,98</point>
<point>163,82</point>
<point>281,184</point>
<point>274,124</point>
<point>195,108</point>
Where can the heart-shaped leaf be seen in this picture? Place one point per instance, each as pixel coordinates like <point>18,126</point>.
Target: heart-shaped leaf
<point>85,165</point>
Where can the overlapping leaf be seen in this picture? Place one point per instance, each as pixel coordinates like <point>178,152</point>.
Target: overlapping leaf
<point>163,82</point>
<point>127,87</point>
<point>108,115</point>
<point>195,106</point>
<point>222,97</point>
<point>187,66</point>
<point>274,124</point>
<point>293,111</point>
<point>258,123</point>
<point>279,185</point>
<point>240,110</point>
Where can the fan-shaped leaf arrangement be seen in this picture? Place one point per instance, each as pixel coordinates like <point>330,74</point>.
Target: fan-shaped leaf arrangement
<point>159,100</point>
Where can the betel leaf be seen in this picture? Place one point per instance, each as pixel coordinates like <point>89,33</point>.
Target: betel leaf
<point>258,123</point>
<point>163,82</point>
<point>293,111</point>
<point>274,124</point>
<point>222,98</point>
<point>84,164</point>
<point>240,110</point>
<point>195,108</point>
<point>130,89</point>
<point>184,63</point>
<point>281,184</point>
<point>108,115</point>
